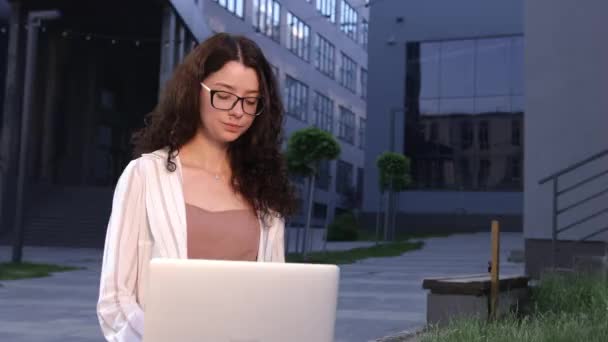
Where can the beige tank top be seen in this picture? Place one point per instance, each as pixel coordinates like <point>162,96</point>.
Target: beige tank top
<point>222,235</point>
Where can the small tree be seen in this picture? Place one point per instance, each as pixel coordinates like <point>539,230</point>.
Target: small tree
<point>305,149</point>
<point>394,176</point>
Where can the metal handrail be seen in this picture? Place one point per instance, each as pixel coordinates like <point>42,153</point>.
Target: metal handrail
<point>583,220</point>
<point>574,166</point>
<point>583,201</point>
<point>597,232</point>
<point>583,182</point>
<point>556,212</point>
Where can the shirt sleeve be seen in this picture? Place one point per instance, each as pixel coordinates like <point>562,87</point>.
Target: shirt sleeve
<point>278,246</point>
<point>120,315</point>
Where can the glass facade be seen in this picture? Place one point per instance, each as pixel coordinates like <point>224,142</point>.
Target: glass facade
<point>465,113</point>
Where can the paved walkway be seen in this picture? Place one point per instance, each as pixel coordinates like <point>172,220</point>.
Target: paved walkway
<point>378,297</point>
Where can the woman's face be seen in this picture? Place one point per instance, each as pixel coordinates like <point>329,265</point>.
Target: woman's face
<point>219,122</point>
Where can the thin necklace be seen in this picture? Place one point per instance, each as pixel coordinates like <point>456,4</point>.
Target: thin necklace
<point>216,176</point>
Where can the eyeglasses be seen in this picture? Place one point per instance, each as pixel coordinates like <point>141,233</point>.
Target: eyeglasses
<point>224,100</point>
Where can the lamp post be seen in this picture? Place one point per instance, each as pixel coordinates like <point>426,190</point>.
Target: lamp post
<point>34,21</point>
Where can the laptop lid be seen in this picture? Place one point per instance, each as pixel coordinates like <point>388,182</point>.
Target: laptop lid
<point>233,301</point>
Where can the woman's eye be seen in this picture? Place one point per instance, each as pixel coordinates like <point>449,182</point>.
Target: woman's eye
<point>223,96</point>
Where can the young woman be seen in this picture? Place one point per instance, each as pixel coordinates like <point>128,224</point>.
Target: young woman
<point>209,182</point>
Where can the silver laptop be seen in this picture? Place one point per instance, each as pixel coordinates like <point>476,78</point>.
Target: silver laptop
<point>232,301</point>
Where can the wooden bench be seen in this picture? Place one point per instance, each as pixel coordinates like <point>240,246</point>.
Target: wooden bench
<point>469,296</point>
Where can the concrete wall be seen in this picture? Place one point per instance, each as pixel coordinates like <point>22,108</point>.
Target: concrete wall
<point>426,20</point>
<point>566,108</point>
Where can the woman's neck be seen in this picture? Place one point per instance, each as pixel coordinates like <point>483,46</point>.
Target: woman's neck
<point>202,152</point>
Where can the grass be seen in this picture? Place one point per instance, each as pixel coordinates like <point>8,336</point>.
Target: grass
<point>13,271</point>
<point>353,255</point>
<point>564,308</point>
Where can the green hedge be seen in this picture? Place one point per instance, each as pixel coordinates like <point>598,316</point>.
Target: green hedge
<point>344,228</point>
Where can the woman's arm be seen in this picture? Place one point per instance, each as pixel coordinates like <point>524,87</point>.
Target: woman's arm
<point>120,316</point>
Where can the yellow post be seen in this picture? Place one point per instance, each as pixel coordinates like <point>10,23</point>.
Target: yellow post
<point>495,287</point>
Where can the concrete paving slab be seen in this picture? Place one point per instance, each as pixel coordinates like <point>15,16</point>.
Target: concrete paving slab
<point>378,297</point>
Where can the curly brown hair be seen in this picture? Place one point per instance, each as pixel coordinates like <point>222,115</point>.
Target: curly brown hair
<point>259,171</point>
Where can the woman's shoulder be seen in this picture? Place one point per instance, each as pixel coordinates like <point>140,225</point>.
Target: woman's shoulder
<point>160,154</point>
<point>146,163</point>
<point>148,159</point>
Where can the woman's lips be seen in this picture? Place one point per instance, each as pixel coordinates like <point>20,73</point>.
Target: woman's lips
<point>232,127</point>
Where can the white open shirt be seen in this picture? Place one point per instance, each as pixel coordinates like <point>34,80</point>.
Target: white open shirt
<point>148,220</point>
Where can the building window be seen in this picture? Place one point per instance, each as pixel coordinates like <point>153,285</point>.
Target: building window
<point>346,125</point>
<point>484,173</point>
<point>323,108</point>
<point>484,134</point>
<point>364,83</point>
<point>325,56</point>
<point>515,168</point>
<point>422,131</point>
<point>344,177</point>
<point>324,175</point>
<point>466,134</point>
<point>298,37</point>
<point>434,132</point>
<point>296,98</point>
<point>348,73</point>
<point>437,173</point>
<point>267,18</point>
<point>465,172</point>
<point>297,179</point>
<point>516,133</point>
<point>364,33</point>
<point>349,19</point>
<point>362,125</point>
<point>328,9</point>
<point>235,7</point>
<point>319,211</point>
<point>360,178</point>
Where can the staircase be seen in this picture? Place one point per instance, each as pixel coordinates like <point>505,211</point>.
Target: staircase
<point>580,214</point>
<point>68,216</point>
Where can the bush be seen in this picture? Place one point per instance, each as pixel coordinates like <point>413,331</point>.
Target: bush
<point>344,228</point>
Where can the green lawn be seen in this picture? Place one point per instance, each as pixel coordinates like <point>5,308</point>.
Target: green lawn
<point>350,256</point>
<point>12,271</point>
<point>564,308</point>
